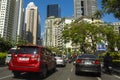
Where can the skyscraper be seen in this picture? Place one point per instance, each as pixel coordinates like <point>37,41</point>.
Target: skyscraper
<point>10,18</point>
<point>18,20</point>
<point>84,8</point>
<point>32,23</point>
<point>53,10</point>
<point>5,30</point>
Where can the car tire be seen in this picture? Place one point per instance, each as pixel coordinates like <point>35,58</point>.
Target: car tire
<point>16,74</point>
<point>99,74</point>
<point>76,72</point>
<point>54,69</point>
<point>44,73</point>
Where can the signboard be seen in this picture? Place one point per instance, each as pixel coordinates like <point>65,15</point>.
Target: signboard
<point>101,47</point>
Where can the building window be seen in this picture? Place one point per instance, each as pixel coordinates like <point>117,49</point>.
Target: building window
<point>82,3</point>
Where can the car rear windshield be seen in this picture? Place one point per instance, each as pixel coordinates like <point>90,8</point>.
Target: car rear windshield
<point>27,50</point>
<point>87,56</point>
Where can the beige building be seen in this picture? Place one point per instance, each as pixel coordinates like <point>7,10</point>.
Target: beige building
<point>51,31</point>
<point>116,26</point>
<point>32,23</point>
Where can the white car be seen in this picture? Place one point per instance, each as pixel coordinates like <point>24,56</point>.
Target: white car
<point>8,56</point>
<point>60,60</point>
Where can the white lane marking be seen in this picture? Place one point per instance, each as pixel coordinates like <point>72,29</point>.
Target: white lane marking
<point>99,78</point>
<point>116,76</point>
<point>71,69</point>
<point>68,78</point>
<point>6,77</point>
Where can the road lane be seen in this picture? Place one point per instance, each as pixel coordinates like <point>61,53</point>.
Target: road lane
<point>61,73</point>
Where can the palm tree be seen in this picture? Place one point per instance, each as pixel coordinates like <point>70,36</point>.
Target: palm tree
<point>98,14</point>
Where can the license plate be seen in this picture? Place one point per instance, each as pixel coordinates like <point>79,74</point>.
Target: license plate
<point>24,59</point>
<point>88,63</point>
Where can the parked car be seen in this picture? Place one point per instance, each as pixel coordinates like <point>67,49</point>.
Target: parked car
<point>32,59</point>
<point>8,56</point>
<point>88,63</point>
<point>60,60</point>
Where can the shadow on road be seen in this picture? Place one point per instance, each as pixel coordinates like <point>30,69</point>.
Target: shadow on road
<point>33,76</point>
<point>87,74</point>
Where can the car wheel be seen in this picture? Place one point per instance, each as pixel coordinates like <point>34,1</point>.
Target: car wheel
<point>99,74</point>
<point>16,74</point>
<point>76,72</point>
<point>44,73</point>
<point>54,69</point>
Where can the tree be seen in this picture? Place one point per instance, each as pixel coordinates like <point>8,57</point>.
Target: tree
<point>111,6</point>
<point>98,14</point>
<point>80,33</point>
<point>87,36</point>
<point>112,37</point>
<point>5,45</point>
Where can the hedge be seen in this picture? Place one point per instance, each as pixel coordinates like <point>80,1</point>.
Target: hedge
<point>116,63</point>
<point>2,58</point>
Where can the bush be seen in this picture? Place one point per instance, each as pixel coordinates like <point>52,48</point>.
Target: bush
<point>116,63</point>
<point>2,57</point>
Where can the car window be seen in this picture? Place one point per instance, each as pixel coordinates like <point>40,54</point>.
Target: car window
<point>87,56</point>
<point>11,51</point>
<point>27,50</point>
<point>58,56</point>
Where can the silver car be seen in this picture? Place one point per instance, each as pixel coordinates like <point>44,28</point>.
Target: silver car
<point>88,63</point>
<point>60,60</point>
<point>8,56</point>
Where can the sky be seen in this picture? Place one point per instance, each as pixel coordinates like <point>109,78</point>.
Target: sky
<point>66,10</point>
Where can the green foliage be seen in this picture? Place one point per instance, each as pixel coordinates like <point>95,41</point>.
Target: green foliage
<point>2,55</point>
<point>20,41</point>
<point>81,32</point>
<point>2,58</point>
<point>5,45</point>
<point>116,63</point>
<point>98,14</point>
<point>111,6</point>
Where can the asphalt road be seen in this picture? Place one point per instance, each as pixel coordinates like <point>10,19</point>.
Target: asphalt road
<point>61,73</point>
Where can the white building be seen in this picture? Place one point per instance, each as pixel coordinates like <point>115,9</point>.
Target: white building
<point>116,26</point>
<point>11,18</point>
<point>51,31</point>
<point>4,16</point>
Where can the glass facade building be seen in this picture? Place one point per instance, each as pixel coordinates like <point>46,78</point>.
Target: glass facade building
<point>53,10</point>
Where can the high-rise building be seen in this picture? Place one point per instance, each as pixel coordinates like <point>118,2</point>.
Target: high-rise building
<point>32,23</point>
<point>53,10</point>
<point>7,10</point>
<point>84,8</point>
<point>18,21</point>
<point>10,18</point>
<point>51,26</point>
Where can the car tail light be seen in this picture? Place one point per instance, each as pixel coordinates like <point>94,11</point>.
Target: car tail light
<point>78,61</point>
<point>35,58</point>
<point>14,55</point>
<point>96,62</point>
